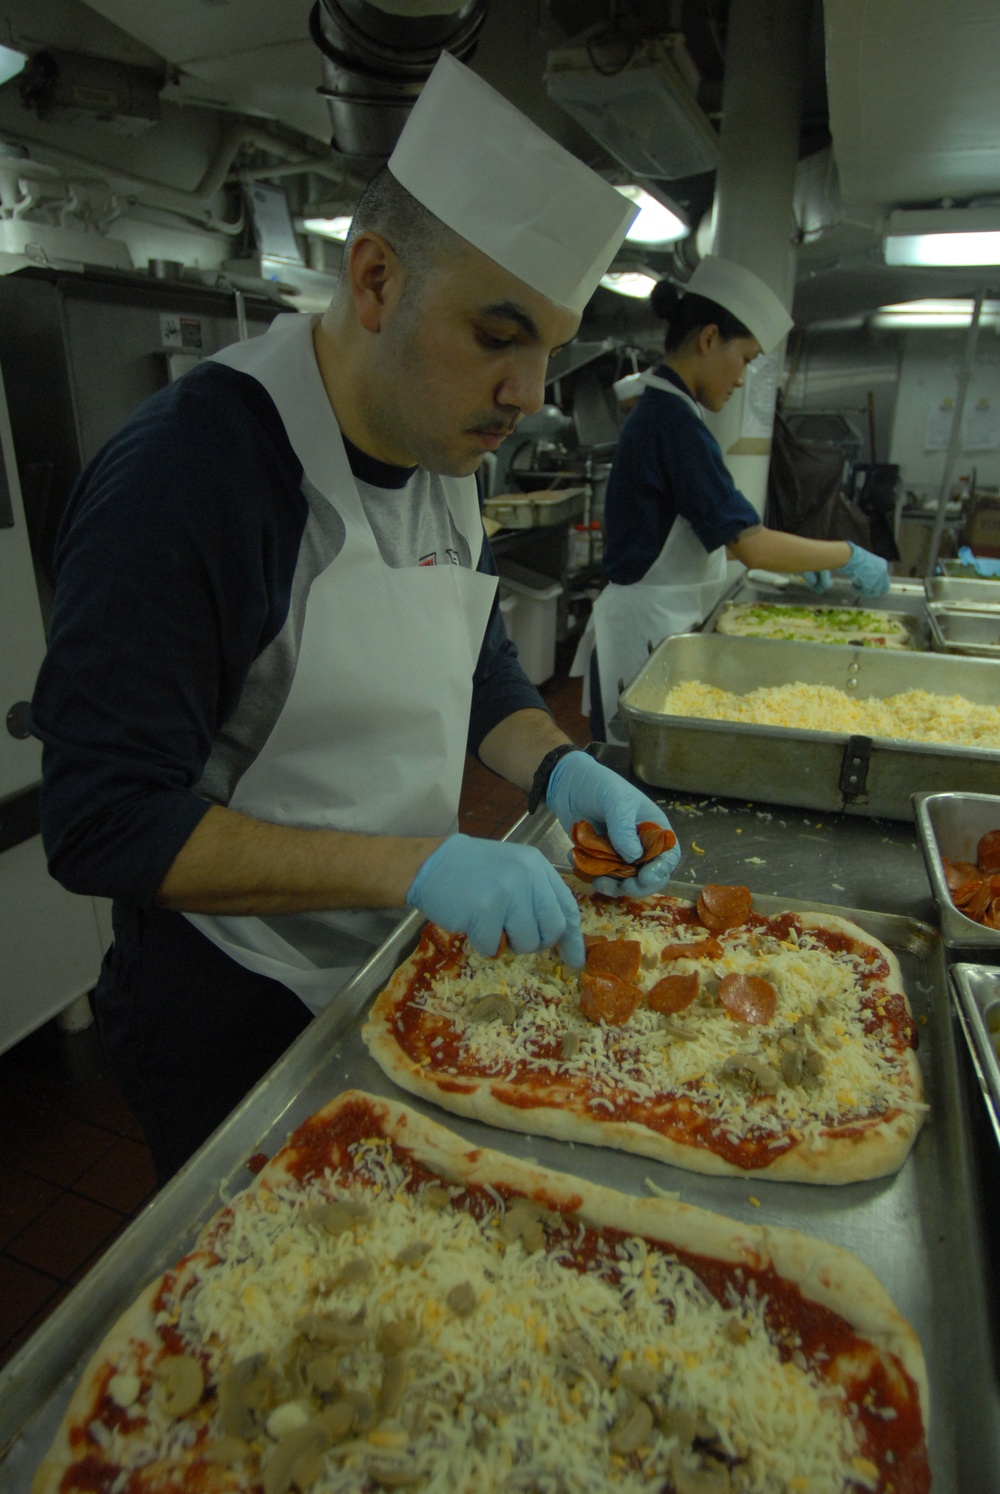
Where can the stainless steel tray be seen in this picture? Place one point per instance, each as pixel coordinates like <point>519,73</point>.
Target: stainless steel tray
<point>918,1231</point>
<point>976,989</point>
<point>531,512</point>
<point>785,765</point>
<point>964,630</point>
<point>905,594</point>
<point>960,569</point>
<point>959,591</point>
<point>950,825</point>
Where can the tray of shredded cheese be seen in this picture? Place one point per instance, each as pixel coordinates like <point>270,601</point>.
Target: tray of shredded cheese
<point>800,723</point>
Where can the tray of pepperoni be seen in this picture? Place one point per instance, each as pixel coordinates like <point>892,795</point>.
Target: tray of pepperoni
<point>959,836</point>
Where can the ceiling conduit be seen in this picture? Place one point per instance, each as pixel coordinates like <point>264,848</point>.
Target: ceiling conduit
<point>377,56</point>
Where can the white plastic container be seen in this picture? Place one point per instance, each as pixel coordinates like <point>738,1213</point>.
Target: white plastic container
<point>532,623</point>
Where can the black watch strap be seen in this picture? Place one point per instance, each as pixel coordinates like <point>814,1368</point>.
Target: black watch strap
<point>543,773</point>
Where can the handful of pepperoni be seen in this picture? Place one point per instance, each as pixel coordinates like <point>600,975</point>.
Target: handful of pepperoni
<point>975,887</point>
<point>595,856</point>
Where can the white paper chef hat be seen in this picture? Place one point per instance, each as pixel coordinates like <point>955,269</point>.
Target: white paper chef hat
<point>745,295</point>
<point>501,183</point>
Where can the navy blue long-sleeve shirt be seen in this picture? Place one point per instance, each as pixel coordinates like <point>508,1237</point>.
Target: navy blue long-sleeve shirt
<point>667,463</point>
<point>182,565</point>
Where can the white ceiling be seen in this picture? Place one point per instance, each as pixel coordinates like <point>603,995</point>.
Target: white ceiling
<point>913,92</point>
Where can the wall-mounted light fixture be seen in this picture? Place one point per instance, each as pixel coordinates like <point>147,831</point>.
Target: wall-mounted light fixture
<point>952,313</point>
<point>943,236</point>
<point>655,223</point>
<point>327,228</point>
<point>628,283</point>
<point>12,62</point>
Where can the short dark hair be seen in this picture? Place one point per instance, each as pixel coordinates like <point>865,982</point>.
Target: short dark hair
<point>416,236</point>
<point>686,314</point>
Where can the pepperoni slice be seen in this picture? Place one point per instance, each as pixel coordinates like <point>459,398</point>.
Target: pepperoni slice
<point>697,949</point>
<point>988,852</point>
<point>957,872</point>
<point>978,902</point>
<point>655,839</point>
<point>584,835</point>
<point>673,993</point>
<point>748,998</point>
<point>606,998</point>
<point>621,957</point>
<point>588,866</point>
<point>722,907</point>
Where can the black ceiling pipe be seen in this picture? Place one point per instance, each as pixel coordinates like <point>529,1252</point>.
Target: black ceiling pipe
<point>375,63</point>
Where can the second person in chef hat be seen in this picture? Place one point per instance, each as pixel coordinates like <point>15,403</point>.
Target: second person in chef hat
<point>672,513</point>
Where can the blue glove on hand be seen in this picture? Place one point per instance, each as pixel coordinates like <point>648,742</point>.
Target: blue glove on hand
<point>582,789</point>
<point>484,888</point>
<point>868,572</point>
<point>981,564</point>
<point>817,580</point>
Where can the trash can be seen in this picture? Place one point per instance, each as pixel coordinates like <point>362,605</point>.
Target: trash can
<point>532,623</point>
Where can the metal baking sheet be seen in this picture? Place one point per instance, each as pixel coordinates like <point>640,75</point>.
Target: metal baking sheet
<point>531,511</point>
<point>918,1231</point>
<point>950,825</point>
<point>905,594</point>
<point>976,989</point>
<point>960,591</point>
<point>911,623</point>
<point>964,630</point>
<point>785,765</point>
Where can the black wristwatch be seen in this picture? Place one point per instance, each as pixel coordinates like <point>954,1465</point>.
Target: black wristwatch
<point>543,773</point>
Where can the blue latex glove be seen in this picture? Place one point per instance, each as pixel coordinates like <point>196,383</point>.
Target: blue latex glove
<point>869,573</point>
<point>582,789</point>
<point>817,580</point>
<point>484,888</point>
<point>983,565</point>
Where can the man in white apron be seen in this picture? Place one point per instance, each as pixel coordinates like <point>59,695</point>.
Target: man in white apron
<point>672,513</point>
<point>276,630</point>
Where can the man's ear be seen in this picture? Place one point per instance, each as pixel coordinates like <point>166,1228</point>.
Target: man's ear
<point>373,270</point>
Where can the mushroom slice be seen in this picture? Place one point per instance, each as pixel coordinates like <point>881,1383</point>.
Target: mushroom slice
<point>523,1221</point>
<point>396,1335</point>
<point>249,1388</point>
<point>570,1044</point>
<point>354,1272</point>
<point>297,1459</point>
<point>752,1073</point>
<point>494,1008</point>
<point>680,1422</point>
<point>363,1406</point>
<point>180,1381</point>
<point>393,1475</point>
<point>632,1428</point>
<point>226,1449</point>
<point>462,1299</point>
<point>394,1378</point>
<point>343,1333</point>
<point>338,1215</point>
<point>435,1197</point>
<point>580,1357</point>
<point>639,1380</point>
<point>320,1373</point>
<point>412,1254</point>
<point>338,1419</point>
<point>707,1478</point>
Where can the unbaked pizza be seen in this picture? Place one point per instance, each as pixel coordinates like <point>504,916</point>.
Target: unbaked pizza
<point>703,1033</point>
<point>866,626</point>
<point>386,1307</point>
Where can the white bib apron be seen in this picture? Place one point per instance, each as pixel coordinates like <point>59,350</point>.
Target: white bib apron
<point>672,597</point>
<point>372,737</point>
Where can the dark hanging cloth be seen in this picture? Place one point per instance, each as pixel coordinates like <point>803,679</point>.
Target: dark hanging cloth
<point>805,493</point>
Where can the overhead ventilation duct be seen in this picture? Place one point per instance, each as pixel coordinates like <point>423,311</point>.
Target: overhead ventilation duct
<point>377,55</point>
<point>642,109</point>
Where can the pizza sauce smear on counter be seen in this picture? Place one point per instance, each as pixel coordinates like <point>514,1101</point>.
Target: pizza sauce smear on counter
<point>620,1366</point>
<point>525,1036</point>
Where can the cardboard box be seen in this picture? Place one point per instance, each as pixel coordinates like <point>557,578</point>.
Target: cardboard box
<point>982,525</point>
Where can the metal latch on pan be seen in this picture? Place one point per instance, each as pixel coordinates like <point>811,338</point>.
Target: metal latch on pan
<point>854,767</point>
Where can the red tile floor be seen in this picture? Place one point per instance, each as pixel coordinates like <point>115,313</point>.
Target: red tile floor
<point>74,1169</point>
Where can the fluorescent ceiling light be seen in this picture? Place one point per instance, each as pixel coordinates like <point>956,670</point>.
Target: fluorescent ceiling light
<point>943,236</point>
<point>628,283</point>
<point>955,313</point>
<point>655,223</point>
<point>11,63</point>
<point>327,228</point>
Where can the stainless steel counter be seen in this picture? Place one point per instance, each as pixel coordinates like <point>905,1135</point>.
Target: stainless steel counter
<point>924,1231</point>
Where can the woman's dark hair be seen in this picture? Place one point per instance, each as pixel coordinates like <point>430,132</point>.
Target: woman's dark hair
<point>687,313</point>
